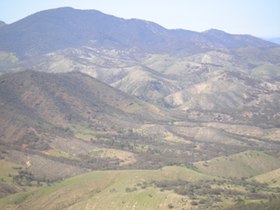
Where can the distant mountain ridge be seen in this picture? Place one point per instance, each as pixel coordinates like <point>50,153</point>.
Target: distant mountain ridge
<point>63,28</point>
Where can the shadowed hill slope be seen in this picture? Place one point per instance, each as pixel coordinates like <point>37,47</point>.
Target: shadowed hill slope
<point>44,101</point>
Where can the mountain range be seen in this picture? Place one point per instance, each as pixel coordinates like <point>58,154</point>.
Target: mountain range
<point>83,91</point>
<point>62,28</point>
<point>212,71</point>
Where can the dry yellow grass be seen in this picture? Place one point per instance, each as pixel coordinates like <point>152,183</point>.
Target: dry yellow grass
<point>125,157</point>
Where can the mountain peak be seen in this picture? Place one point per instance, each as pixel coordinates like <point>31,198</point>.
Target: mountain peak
<point>68,9</point>
<point>214,31</point>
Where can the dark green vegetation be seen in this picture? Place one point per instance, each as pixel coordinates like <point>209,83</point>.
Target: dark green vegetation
<point>211,193</point>
<point>190,120</point>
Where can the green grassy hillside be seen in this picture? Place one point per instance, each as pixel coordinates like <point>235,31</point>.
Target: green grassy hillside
<point>245,164</point>
<point>106,190</point>
<point>167,188</point>
<point>271,177</point>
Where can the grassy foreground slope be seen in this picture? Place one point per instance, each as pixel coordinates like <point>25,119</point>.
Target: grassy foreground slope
<point>107,190</point>
<point>171,187</point>
<point>244,164</point>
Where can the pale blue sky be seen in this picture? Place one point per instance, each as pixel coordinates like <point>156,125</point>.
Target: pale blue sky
<point>257,17</point>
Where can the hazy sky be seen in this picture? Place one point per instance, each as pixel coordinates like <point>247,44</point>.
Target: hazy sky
<point>257,17</point>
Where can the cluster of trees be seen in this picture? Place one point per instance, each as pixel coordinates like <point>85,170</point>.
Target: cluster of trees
<point>215,190</point>
<point>25,178</point>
